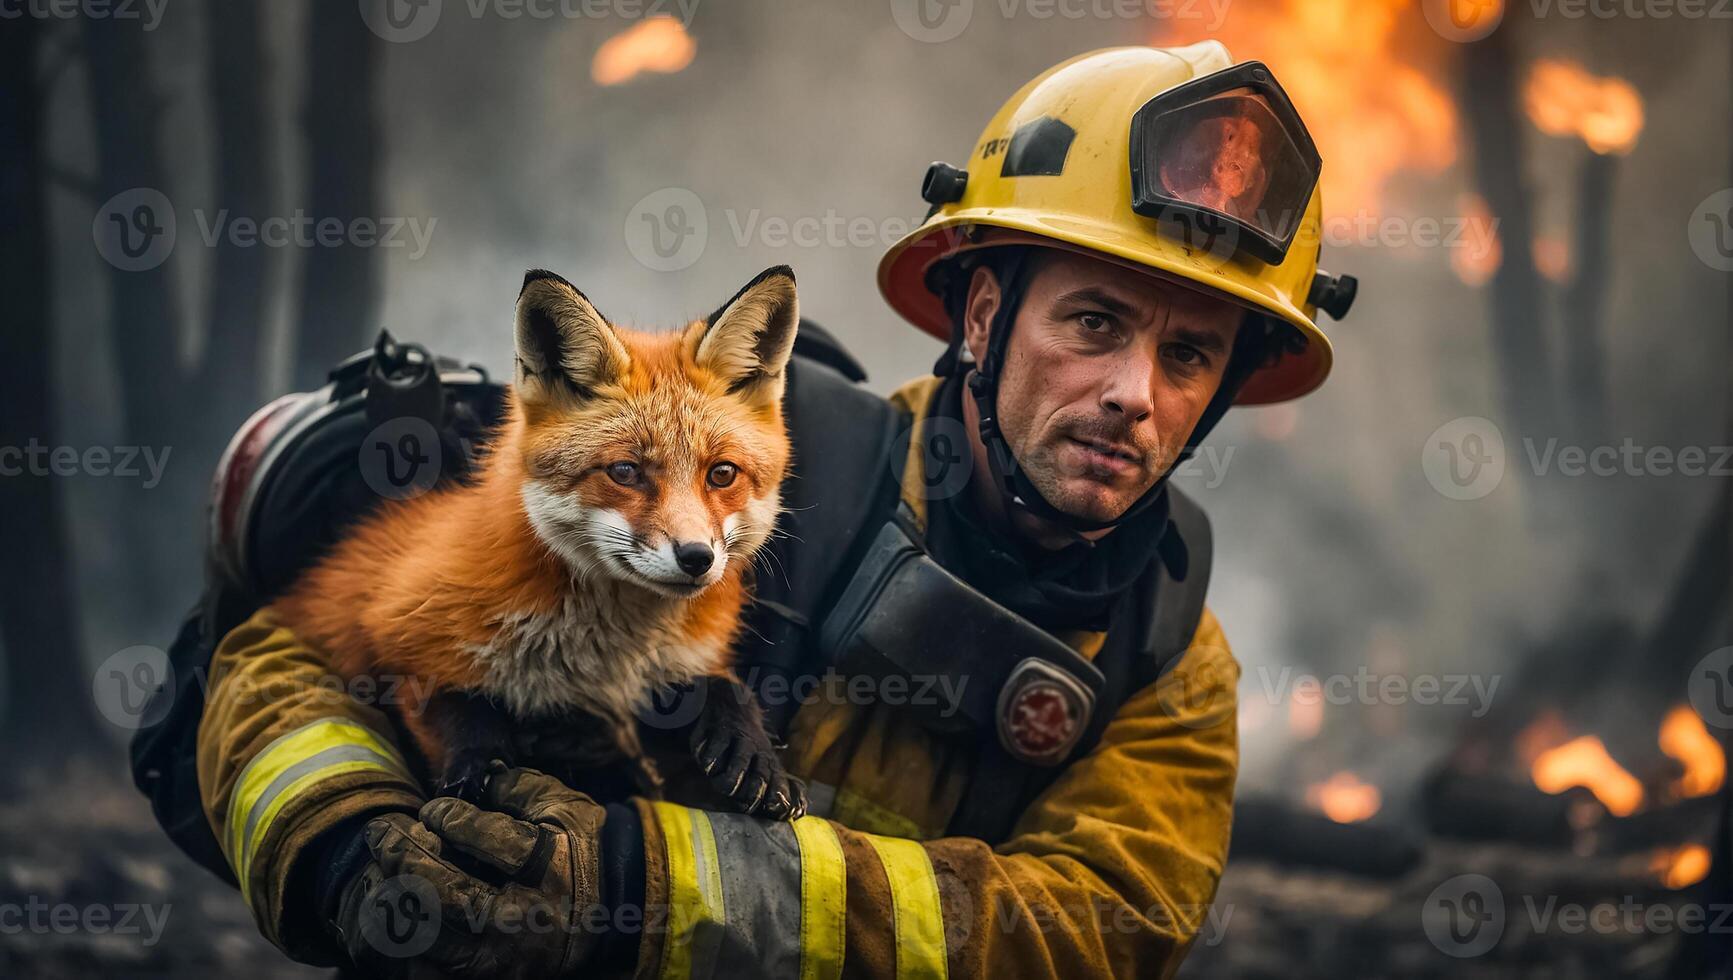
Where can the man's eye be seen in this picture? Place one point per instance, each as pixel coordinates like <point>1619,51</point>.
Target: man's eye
<point>625,474</point>
<point>723,474</point>
<point>1094,322</point>
<point>1186,354</point>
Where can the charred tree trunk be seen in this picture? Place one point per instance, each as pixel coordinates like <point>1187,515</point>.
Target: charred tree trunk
<point>339,283</point>
<point>1519,340</point>
<point>228,377</point>
<point>142,323</point>
<point>1584,363</point>
<point>141,307</point>
<point>47,695</point>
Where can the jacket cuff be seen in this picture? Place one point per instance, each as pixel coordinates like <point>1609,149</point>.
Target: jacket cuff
<point>622,868</point>
<point>290,917</point>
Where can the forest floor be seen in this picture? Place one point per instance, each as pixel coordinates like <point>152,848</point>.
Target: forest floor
<point>91,887</point>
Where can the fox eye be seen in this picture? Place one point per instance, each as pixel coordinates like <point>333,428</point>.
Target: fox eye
<point>623,473</point>
<point>723,474</point>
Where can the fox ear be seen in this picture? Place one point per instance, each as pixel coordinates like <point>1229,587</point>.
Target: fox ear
<point>564,347</point>
<point>748,341</point>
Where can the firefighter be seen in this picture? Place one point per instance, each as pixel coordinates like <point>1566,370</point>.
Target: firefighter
<point>1130,248</point>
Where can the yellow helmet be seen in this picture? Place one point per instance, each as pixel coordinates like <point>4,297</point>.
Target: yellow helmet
<point>1175,161</point>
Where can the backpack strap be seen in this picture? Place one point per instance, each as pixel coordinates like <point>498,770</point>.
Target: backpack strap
<point>1188,551</point>
<point>843,482</point>
<point>1154,626</point>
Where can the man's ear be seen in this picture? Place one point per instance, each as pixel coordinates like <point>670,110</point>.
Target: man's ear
<point>564,347</point>
<point>748,341</point>
<point>978,311</point>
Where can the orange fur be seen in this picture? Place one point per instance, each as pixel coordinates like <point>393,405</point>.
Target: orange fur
<point>422,587</point>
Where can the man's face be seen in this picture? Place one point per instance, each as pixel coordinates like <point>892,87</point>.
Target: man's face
<point>1106,374</point>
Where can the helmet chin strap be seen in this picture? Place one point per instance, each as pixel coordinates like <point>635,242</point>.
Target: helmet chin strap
<point>1014,486</point>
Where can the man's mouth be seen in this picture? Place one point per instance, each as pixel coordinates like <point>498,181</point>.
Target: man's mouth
<point>1097,453</point>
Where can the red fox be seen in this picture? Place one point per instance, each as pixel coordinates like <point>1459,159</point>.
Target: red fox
<point>598,553</point>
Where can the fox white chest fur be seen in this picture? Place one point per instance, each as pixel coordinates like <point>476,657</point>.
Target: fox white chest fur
<point>605,648</point>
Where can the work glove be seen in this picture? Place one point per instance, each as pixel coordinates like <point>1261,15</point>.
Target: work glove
<point>509,891</point>
<point>368,917</point>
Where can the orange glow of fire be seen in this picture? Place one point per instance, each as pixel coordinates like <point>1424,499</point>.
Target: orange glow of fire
<point>1476,265</point>
<point>1552,257</point>
<point>1546,731</point>
<point>1370,109</point>
<point>1306,709</point>
<point>658,44</point>
<point>1344,798</point>
<point>1681,867</point>
<point>1684,738</point>
<point>1584,761</point>
<point>1563,99</point>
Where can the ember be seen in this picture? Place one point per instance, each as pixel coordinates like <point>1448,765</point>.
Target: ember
<point>1344,798</point>
<point>659,44</point>
<point>1584,761</point>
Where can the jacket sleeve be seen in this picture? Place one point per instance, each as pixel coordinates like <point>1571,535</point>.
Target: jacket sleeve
<point>1110,872</point>
<point>284,754</point>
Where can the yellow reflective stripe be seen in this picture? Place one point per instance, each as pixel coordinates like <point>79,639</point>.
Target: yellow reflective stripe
<point>695,912</point>
<point>920,925</point>
<point>284,769</point>
<point>823,899</point>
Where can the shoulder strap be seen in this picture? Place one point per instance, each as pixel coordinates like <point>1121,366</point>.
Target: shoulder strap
<point>842,482</point>
<point>1188,550</point>
<point>1152,629</point>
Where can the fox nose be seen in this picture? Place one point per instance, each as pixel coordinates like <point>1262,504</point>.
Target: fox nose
<point>694,557</point>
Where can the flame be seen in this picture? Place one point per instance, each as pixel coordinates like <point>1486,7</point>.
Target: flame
<point>1681,867</point>
<point>1306,709</point>
<point>1371,112</point>
<point>1563,99</point>
<point>1479,257</point>
<point>1683,737</point>
<point>1344,798</point>
<point>658,44</point>
<point>1584,761</point>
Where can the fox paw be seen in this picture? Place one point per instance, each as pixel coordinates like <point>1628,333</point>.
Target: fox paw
<point>466,778</point>
<point>743,766</point>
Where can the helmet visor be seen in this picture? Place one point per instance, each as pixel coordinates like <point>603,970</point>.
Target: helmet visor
<point>1224,160</point>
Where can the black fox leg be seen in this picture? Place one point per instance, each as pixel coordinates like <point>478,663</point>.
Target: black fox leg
<point>475,731</point>
<point>731,745</point>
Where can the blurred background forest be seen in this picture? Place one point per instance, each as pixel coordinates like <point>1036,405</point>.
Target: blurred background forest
<point>1540,214</point>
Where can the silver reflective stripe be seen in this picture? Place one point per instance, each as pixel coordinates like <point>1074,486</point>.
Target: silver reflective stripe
<point>761,894</point>
<point>319,760</point>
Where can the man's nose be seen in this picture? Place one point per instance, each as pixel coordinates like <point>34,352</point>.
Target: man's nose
<point>1128,385</point>
<point>693,557</point>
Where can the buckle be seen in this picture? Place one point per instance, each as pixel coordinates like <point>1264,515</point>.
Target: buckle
<point>1042,712</point>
